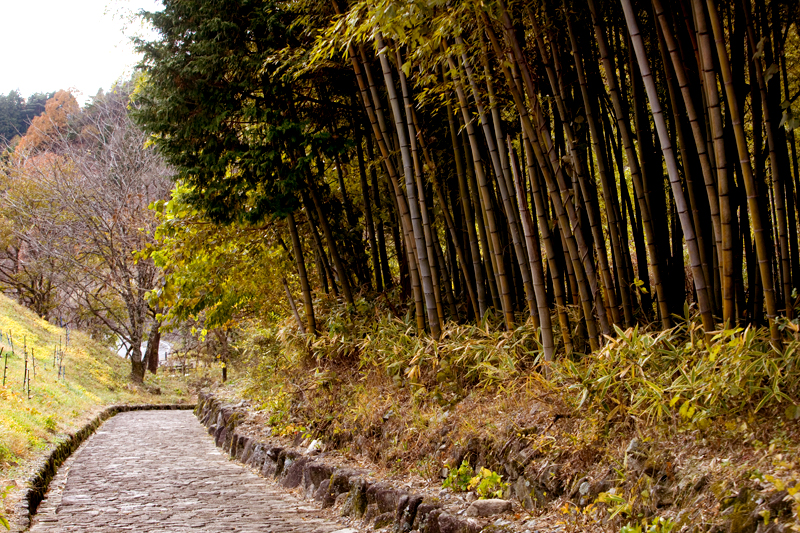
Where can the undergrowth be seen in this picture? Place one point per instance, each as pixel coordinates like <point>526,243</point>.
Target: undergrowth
<point>677,374</point>
<point>369,385</point>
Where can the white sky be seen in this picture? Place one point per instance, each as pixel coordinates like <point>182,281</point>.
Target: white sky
<point>82,45</point>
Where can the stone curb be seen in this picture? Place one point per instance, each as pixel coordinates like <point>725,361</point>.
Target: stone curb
<point>377,504</point>
<point>40,481</point>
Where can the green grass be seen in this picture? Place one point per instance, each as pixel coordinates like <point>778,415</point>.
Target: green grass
<point>95,377</point>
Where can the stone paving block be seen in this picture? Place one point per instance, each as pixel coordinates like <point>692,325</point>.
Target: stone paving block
<point>159,471</point>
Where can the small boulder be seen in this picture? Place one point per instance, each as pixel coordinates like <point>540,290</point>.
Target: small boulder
<point>246,450</point>
<point>406,512</point>
<point>428,520</point>
<point>453,524</point>
<point>256,459</point>
<point>293,473</point>
<point>370,513</point>
<point>489,507</point>
<point>321,492</point>
<point>421,517</point>
<point>340,501</point>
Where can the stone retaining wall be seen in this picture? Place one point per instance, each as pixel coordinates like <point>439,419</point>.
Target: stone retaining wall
<point>39,482</point>
<point>376,504</point>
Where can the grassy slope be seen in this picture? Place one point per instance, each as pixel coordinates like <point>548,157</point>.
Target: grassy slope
<point>95,377</point>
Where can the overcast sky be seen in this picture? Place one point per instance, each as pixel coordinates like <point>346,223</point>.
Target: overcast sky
<point>82,45</point>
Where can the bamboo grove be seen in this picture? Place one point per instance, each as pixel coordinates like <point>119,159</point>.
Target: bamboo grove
<point>582,165</point>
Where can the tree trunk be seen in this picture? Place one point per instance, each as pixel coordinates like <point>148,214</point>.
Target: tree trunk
<point>137,369</point>
<point>534,257</point>
<point>308,299</point>
<point>153,342</point>
<point>293,307</point>
<point>483,185</point>
<point>344,279</point>
<point>609,194</point>
<point>727,231</point>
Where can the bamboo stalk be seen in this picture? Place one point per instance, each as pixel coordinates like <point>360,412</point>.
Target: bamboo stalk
<point>423,263</point>
<point>672,166</point>
<point>308,301</point>
<point>534,257</point>
<point>760,232</point>
<point>483,185</point>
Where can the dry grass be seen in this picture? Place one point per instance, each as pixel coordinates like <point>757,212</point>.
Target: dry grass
<point>717,415</point>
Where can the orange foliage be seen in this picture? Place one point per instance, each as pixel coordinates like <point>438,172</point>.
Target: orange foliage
<point>57,111</point>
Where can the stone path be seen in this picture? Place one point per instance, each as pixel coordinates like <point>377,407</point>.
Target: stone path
<point>159,471</point>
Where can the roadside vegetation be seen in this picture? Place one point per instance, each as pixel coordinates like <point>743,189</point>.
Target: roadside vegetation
<point>666,427</point>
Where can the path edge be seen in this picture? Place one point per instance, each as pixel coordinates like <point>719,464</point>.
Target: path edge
<point>39,482</point>
<point>374,503</point>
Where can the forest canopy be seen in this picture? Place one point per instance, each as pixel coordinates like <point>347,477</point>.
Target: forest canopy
<point>582,166</point>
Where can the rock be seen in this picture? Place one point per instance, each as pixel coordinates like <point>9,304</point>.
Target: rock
<point>270,466</point>
<point>325,495</point>
<point>370,513</point>
<point>321,492</point>
<point>293,475</point>
<point>256,459</point>
<point>488,507</point>
<point>356,503</point>
<point>384,496</point>
<point>406,512</point>
<point>315,473</point>
<point>429,520</point>
<point>383,520</point>
<point>241,445</point>
<point>233,444</point>
<point>635,456</point>
<point>423,511</point>
<point>284,461</point>
<point>273,452</point>
<point>220,436</point>
<point>340,480</point>
<point>340,499</point>
<point>452,524</point>
<point>346,530</point>
<point>247,450</point>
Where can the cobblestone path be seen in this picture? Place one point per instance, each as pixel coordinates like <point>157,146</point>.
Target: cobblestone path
<point>159,471</point>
